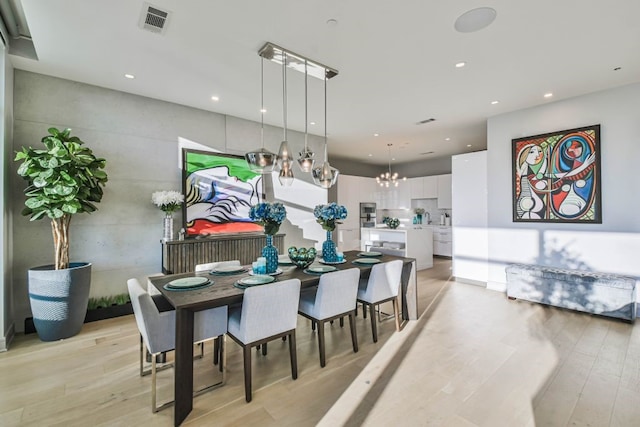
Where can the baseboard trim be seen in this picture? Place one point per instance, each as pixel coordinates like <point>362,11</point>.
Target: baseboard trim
<point>470,281</point>
<point>6,340</point>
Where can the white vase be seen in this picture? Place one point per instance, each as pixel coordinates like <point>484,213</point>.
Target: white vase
<point>168,227</point>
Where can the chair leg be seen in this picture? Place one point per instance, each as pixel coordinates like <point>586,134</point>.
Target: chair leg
<point>264,349</point>
<point>142,355</point>
<point>323,360</point>
<point>153,385</point>
<point>221,349</point>
<point>216,350</point>
<point>293,354</point>
<point>364,311</point>
<point>342,322</point>
<point>313,325</point>
<point>374,326</point>
<point>396,312</point>
<point>354,337</point>
<point>246,350</point>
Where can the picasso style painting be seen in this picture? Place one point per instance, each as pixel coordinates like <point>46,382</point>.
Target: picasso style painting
<point>556,177</point>
<point>219,191</point>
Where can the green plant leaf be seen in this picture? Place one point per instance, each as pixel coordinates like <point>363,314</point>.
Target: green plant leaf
<point>40,182</point>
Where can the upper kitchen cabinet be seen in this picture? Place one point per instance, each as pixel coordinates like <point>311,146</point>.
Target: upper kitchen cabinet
<point>444,191</point>
<point>425,187</point>
<point>353,190</point>
<point>394,197</point>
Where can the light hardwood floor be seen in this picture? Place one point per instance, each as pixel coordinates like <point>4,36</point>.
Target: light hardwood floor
<point>473,358</point>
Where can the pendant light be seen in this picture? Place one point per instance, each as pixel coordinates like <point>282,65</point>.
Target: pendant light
<point>284,157</point>
<point>306,160</point>
<point>261,160</point>
<point>325,175</point>
<point>387,178</point>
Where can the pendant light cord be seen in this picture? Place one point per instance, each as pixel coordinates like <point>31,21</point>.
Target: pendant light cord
<point>326,157</point>
<point>262,102</point>
<point>306,121</point>
<point>284,94</point>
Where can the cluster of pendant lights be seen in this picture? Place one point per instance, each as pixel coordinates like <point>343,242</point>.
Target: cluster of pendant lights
<point>264,161</point>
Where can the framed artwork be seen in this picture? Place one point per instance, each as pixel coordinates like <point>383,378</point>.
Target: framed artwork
<point>556,177</point>
<point>219,191</point>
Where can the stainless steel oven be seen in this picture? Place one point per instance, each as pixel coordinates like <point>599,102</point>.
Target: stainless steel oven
<point>367,215</point>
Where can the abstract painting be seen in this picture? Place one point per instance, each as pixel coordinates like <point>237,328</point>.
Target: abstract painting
<point>219,191</point>
<point>556,177</point>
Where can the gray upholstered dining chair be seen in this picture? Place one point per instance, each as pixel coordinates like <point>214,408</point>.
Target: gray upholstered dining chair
<point>267,312</point>
<point>211,265</point>
<point>157,332</point>
<point>334,298</point>
<point>382,286</point>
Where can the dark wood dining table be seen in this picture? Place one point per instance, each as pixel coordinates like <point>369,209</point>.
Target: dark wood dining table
<point>222,293</point>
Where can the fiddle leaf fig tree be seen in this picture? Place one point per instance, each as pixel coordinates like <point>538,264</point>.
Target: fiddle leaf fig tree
<point>63,179</point>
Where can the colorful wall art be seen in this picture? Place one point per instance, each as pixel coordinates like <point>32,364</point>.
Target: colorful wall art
<point>219,191</point>
<point>556,177</point>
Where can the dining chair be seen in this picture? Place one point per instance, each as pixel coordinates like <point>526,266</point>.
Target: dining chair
<point>382,286</point>
<point>157,333</point>
<point>211,265</point>
<point>268,312</point>
<point>334,298</point>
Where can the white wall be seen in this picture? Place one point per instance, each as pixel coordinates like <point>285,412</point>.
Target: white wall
<point>612,246</point>
<point>470,233</point>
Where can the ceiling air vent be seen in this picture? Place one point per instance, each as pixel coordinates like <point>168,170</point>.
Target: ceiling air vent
<point>153,19</point>
<point>426,152</point>
<point>421,122</point>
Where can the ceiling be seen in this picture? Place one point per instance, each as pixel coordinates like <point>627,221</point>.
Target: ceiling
<point>396,61</point>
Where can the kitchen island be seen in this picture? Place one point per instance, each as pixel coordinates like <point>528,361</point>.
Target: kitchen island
<point>405,242</point>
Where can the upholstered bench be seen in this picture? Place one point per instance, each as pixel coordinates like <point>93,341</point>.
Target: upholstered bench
<point>604,294</point>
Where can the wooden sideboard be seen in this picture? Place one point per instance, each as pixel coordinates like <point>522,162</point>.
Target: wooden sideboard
<point>181,256</point>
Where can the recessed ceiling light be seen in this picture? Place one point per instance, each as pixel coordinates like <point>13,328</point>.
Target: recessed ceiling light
<point>469,145</point>
<point>215,98</point>
<point>370,155</point>
<point>495,102</point>
<point>548,95</point>
<point>475,19</point>
<point>263,110</point>
<point>376,134</point>
<point>312,123</point>
<point>460,64</point>
<point>393,158</point>
<point>130,76</point>
<point>447,139</point>
<point>332,22</point>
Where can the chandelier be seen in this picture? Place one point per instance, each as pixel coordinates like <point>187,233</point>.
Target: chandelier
<point>323,175</point>
<point>388,179</point>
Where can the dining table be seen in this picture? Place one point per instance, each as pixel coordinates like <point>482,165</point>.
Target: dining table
<point>224,291</point>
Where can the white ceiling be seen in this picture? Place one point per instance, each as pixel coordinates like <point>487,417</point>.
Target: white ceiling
<point>395,61</point>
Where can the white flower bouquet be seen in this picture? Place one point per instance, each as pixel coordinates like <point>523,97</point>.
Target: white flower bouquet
<point>167,201</point>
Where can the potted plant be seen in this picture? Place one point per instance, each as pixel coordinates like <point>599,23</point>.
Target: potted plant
<point>64,179</point>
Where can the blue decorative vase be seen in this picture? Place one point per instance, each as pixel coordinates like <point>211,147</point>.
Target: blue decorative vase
<point>270,252</point>
<point>329,250</point>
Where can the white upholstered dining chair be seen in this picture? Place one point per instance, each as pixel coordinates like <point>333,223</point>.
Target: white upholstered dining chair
<point>382,286</point>
<point>334,298</point>
<point>157,332</point>
<point>268,312</point>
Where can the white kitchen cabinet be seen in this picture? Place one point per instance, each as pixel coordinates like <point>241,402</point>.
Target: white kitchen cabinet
<point>394,197</point>
<point>348,238</point>
<point>442,237</point>
<point>444,191</point>
<point>424,187</point>
<point>430,187</point>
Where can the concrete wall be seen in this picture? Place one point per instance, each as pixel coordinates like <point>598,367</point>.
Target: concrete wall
<point>139,138</point>
<point>612,246</point>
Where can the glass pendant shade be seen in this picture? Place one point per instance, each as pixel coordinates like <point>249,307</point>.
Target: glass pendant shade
<point>285,177</point>
<point>306,160</point>
<point>284,154</point>
<point>325,175</point>
<point>261,160</point>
